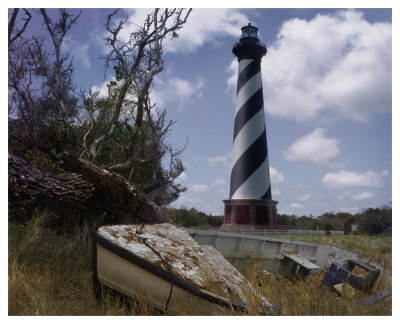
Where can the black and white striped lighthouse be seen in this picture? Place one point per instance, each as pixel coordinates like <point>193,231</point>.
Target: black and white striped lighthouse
<point>250,203</point>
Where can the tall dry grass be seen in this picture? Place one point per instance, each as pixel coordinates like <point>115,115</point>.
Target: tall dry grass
<point>50,273</point>
<point>310,298</point>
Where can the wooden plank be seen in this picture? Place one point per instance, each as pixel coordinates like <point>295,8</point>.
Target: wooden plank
<point>303,262</point>
<point>375,298</point>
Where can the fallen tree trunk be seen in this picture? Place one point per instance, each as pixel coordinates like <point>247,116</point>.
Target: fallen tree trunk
<point>91,192</point>
<point>46,188</point>
<point>121,198</point>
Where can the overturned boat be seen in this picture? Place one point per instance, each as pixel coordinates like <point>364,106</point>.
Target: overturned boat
<point>164,265</point>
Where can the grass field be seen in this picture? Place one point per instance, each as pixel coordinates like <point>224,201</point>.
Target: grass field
<point>50,273</point>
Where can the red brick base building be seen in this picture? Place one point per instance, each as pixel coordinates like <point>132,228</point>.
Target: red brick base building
<point>251,214</point>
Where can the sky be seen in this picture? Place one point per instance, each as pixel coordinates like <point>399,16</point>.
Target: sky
<point>327,83</point>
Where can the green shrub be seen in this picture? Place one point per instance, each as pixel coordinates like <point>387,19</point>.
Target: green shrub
<point>328,228</point>
<point>193,217</point>
<point>376,220</point>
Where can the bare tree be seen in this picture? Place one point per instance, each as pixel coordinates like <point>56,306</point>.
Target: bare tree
<point>128,107</point>
<point>39,80</point>
<point>13,32</point>
<point>136,62</point>
<point>21,97</point>
<point>58,76</point>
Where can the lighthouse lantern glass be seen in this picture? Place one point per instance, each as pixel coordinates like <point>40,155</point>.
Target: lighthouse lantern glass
<point>249,31</point>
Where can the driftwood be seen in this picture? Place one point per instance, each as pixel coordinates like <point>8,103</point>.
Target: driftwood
<point>90,189</point>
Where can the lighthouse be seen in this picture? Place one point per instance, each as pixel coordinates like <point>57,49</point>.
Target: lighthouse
<point>250,204</point>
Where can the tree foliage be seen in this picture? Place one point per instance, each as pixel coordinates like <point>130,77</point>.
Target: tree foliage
<point>370,221</point>
<point>122,131</point>
<point>328,227</point>
<point>375,220</point>
<point>193,217</point>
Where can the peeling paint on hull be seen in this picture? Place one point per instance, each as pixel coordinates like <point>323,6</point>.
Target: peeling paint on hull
<point>165,265</point>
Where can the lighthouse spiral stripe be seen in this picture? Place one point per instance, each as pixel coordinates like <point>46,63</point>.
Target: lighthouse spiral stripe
<point>250,170</point>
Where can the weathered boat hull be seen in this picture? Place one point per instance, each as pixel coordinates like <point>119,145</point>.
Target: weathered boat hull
<point>127,273</point>
<point>242,249</point>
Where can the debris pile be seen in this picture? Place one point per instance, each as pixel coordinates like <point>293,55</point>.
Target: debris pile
<point>317,277</point>
<point>361,272</point>
<point>357,274</point>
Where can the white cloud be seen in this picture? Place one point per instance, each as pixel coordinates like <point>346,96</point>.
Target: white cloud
<point>232,80</point>
<point>199,188</point>
<point>224,191</point>
<point>101,88</point>
<point>296,206</point>
<point>178,90</point>
<point>203,26</point>
<point>204,188</point>
<point>80,52</point>
<point>173,89</point>
<point>313,147</point>
<point>276,176</point>
<point>181,177</point>
<point>338,63</point>
<point>276,192</point>
<point>207,26</point>
<point>340,197</point>
<point>184,90</point>
<point>357,197</point>
<point>345,179</point>
<point>223,161</point>
<point>187,200</point>
<point>363,195</point>
<point>218,182</point>
<point>303,197</point>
